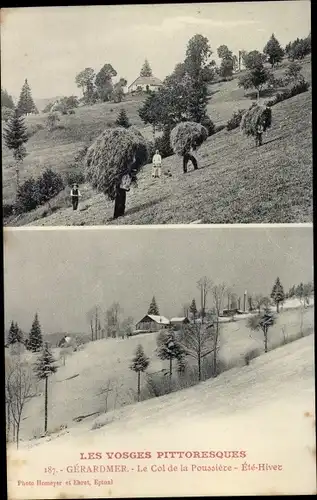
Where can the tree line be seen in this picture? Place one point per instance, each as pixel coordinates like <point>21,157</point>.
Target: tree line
<point>19,378</point>
<point>200,339</point>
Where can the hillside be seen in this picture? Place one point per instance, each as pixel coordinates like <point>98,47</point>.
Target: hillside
<point>249,409</point>
<point>237,183</point>
<point>104,365</point>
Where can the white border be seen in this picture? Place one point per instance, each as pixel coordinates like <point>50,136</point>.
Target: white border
<point>187,226</point>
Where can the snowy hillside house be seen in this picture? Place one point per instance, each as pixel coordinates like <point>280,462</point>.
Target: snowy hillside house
<point>177,323</point>
<point>145,83</point>
<point>152,323</point>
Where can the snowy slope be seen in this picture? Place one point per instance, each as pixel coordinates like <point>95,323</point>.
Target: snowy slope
<point>265,409</point>
<point>79,387</point>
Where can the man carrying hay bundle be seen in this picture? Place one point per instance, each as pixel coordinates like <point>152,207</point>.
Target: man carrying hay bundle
<point>185,137</point>
<point>256,121</point>
<point>113,162</point>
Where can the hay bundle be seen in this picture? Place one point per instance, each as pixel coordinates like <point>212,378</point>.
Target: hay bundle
<point>256,115</point>
<point>116,152</point>
<point>187,135</point>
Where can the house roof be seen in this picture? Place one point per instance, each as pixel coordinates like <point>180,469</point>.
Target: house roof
<point>161,320</point>
<point>147,80</point>
<point>178,320</point>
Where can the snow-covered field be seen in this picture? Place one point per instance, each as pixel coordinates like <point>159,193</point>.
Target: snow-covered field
<point>98,378</point>
<point>264,410</point>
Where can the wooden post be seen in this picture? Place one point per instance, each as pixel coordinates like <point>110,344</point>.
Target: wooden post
<point>244,301</point>
<point>45,423</point>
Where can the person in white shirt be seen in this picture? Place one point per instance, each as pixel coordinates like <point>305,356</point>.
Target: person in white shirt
<point>157,164</point>
<point>74,194</point>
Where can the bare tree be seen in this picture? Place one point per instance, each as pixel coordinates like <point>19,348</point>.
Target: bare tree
<point>262,322</point>
<point>112,320</point>
<point>218,295</point>
<point>18,389</point>
<point>94,319</point>
<point>258,302</point>
<point>186,310</point>
<point>204,285</point>
<point>197,341</point>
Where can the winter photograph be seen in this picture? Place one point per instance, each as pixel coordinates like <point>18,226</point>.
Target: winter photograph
<point>157,114</point>
<point>166,360</point>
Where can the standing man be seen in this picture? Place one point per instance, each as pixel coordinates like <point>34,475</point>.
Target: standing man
<point>74,194</point>
<point>157,164</point>
<point>258,135</point>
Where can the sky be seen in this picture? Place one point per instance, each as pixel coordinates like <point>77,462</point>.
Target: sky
<point>50,45</point>
<point>63,273</point>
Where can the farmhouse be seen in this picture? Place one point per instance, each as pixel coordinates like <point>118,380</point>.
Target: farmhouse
<point>177,323</point>
<point>145,83</point>
<point>152,323</point>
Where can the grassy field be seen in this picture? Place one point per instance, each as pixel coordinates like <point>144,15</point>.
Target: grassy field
<point>97,378</point>
<point>247,408</point>
<point>237,183</point>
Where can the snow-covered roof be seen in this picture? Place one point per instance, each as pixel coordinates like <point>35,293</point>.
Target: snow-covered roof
<point>178,320</point>
<point>158,319</point>
<point>147,80</point>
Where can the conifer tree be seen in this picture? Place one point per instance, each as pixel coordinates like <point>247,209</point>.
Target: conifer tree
<point>35,338</point>
<point>15,334</point>
<point>153,309</point>
<point>44,367</point>
<point>6,100</point>
<point>26,104</point>
<point>139,364</point>
<point>122,119</point>
<point>15,135</point>
<point>278,293</point>
<point>146,69</point>
<point>168,347</point>
<point>193,309</point>
<point>274,51</point>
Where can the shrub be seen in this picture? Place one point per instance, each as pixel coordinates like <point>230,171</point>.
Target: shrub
<point>111,155</point>
<point>299,87</point>
<point>235,120</point>
<point>209,125</point>
<point>27,196</point>
<point>7,210</point>
<point>163,144</point>
<point>50,183</point>
<point>51,120</point>
<point>218,128</point>
<point>187,135</point>
<point>34,128</point>
<point>270,102</point>
<point>74,177</point>
<point>48,107</point>
<point>6,113</point>
<point>251,354</point>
